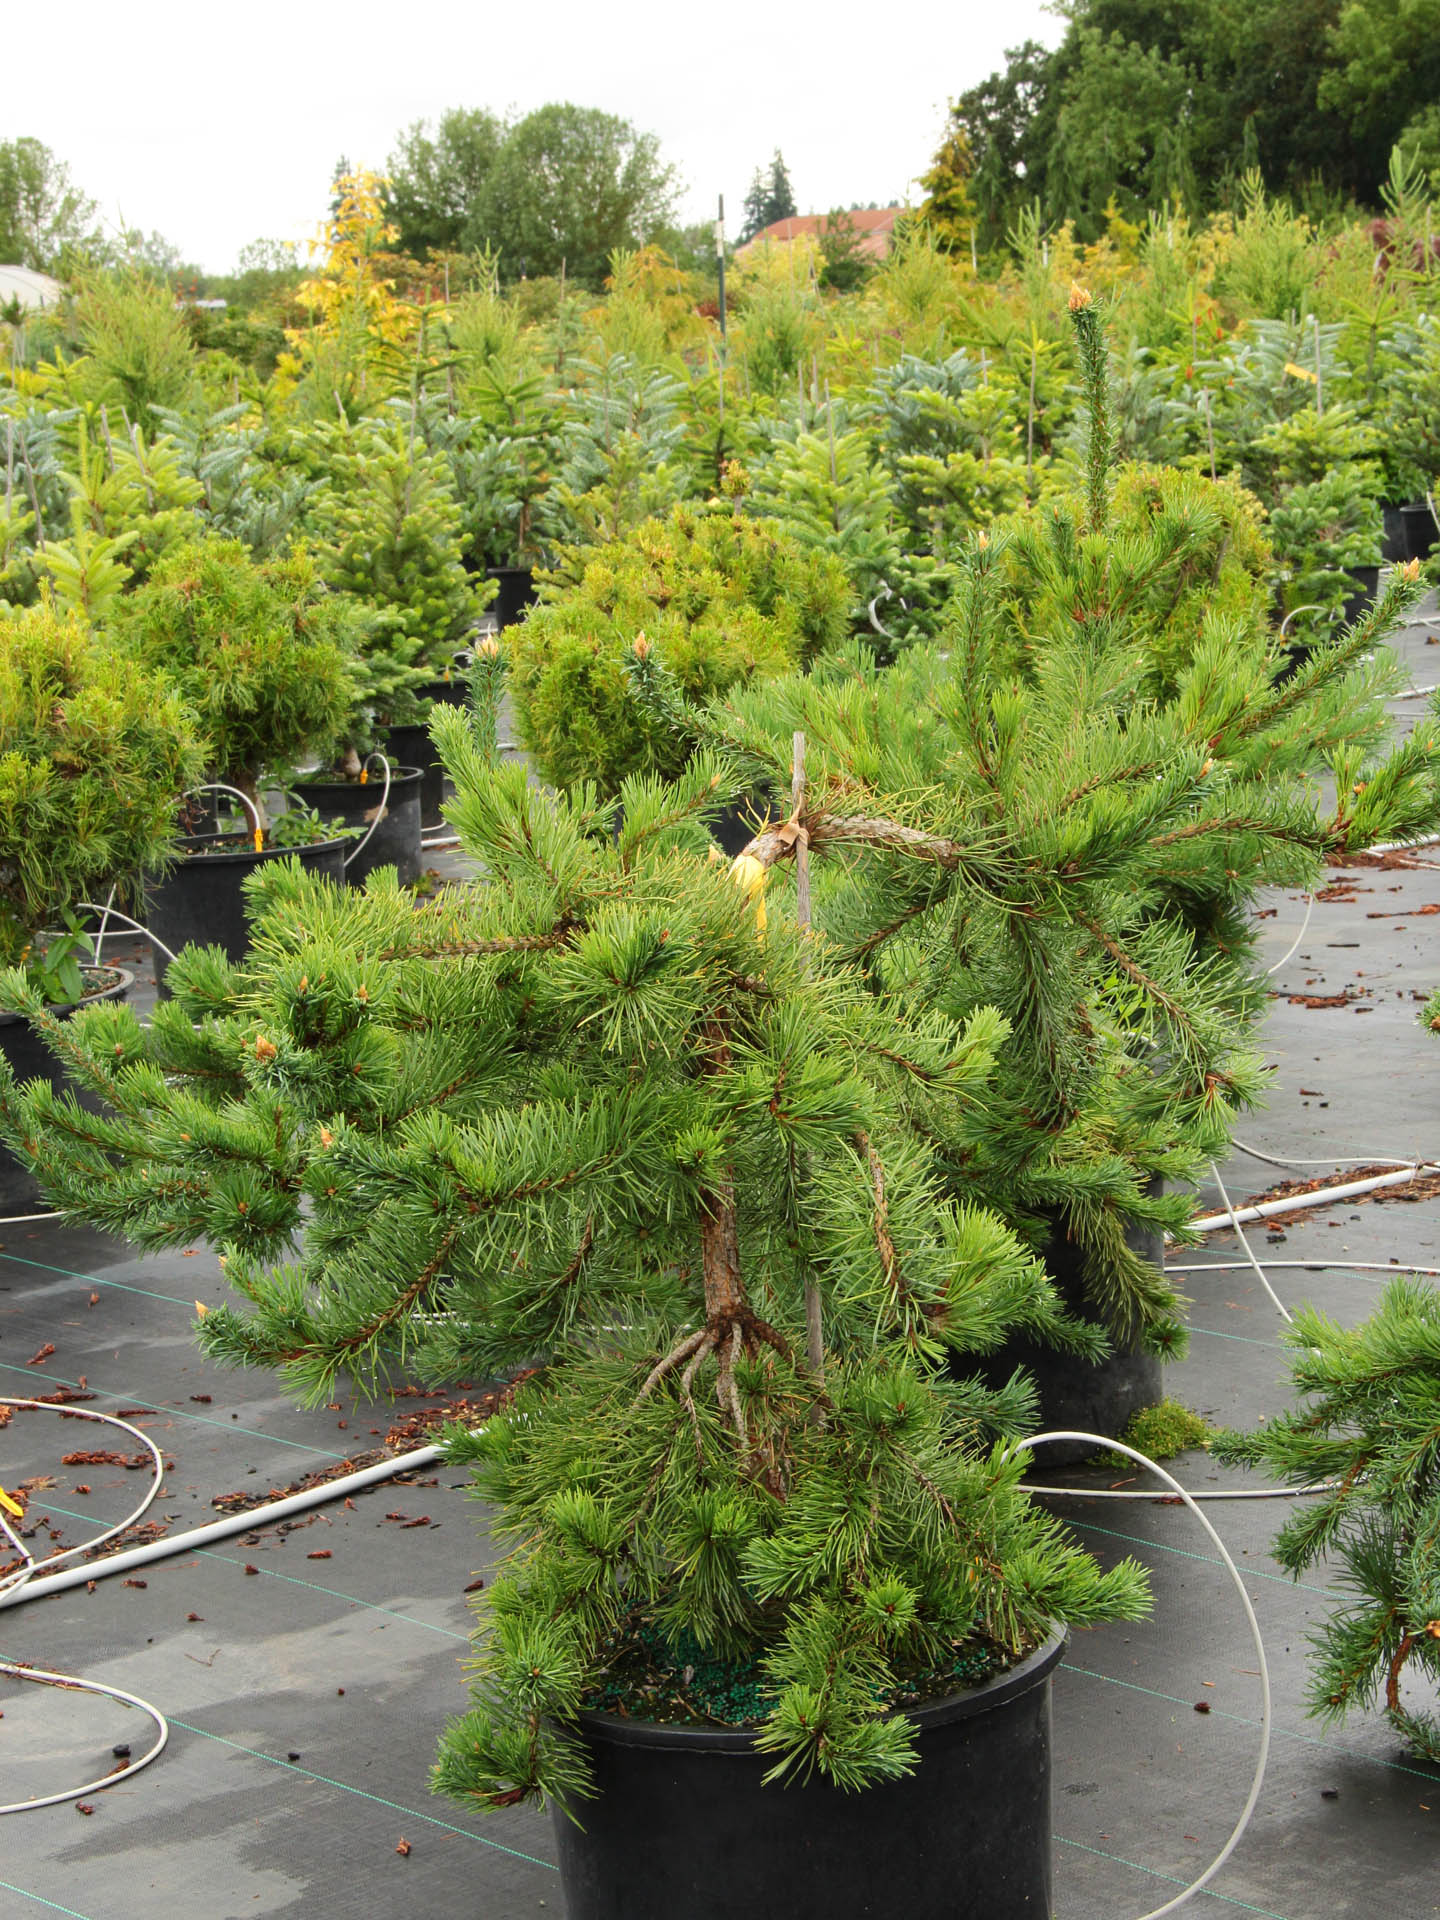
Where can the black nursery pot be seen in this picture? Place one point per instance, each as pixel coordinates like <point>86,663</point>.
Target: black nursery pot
<point>682,1825</point>
<point>396,839</point>
<point>1393,540</point>
<point>447,693</point>
<point>1420,530</point>
<point>31,1059</point>
<point>200,900</point>
<point>413,747</point>
<point>1367,585</point>
<point>517,592</point>
<point>1074,1393</point>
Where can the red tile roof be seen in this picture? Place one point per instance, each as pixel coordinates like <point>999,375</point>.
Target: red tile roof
<point>875,225</point>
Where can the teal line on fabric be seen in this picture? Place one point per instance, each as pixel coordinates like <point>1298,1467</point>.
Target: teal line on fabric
<point>1249,1720</point>
<point>1174,1879</point>
<point>1210,1559</point>
<point>39,1898</point>
<point>379,1800</point>
<point>178,1413</point>
<point>1247,1339</point>
<point>95,1279</point>
<point>209,1553</point>
<point>290,1579</point>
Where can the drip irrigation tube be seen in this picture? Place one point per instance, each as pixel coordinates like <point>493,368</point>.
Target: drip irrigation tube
<point>14,1586</point>
<point>1257,1779</point>
<point>70,1684</point>
<point>356,851</point>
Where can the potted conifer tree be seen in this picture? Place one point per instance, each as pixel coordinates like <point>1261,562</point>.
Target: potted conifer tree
<point>93,759</point>
<point>261,653</point>
<point>602,1110</point>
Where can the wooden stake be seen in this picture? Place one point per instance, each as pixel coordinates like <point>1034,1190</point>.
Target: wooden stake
<point>814,1328</point>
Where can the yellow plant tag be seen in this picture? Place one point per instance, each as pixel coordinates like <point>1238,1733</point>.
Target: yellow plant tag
<point>748,873</point>
<point>259,839</point>
<point>201,1309</point>
<point>11,1506</point>
<point>1301,373</point>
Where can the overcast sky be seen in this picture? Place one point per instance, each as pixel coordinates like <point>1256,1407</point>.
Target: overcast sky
<point>220,125</point>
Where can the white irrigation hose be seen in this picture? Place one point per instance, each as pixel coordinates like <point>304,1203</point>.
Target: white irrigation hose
<point>1304,929</point>
<point>1352,1160</point>
<point>1258,1778</point>
<point>1305,1266</point>
<point>70,1684</point>
<point>1234,1219</point>
<point>356,851</point>
<point>245,1522</point>
<point>20,1577</point>
<point>219,786</point>
<point>16,1583</point>
<point>135,926</point>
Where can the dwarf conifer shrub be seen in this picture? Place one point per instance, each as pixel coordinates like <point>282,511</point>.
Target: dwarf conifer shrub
<point>723,597</point>
<point>1084,841</point>
<point>260,652</point>
<point>94,755</point>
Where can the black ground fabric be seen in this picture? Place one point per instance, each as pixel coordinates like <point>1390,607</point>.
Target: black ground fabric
<point>305,1671</point>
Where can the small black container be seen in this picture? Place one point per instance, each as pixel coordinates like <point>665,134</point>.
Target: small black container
<point>1074,1393</point>
<point>396,839</point>
<point>200,900</point>
<point>1367,585</point>
<point>31,1059</point>
<point>517,592</point>
<point>683,1829</point>
<point>454,692</point>
<point>1420,530</point>
<point>1394,540</point>
<point>413,747</point>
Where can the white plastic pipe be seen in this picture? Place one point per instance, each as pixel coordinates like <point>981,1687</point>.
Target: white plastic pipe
<point>1294,1202</point>
<point>245,1522</point>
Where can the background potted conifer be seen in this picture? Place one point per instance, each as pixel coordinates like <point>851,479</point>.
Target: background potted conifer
<point>1106,770</point>
<point>738,1491</point>
<point>391,542</point>
<point>260,652</point>
<point>93,759</point>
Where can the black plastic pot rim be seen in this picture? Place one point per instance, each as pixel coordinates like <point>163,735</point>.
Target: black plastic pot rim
<point>399,777</point>
<point>63,1007</point>
<point>196,846</point>
<point>620,1732</point>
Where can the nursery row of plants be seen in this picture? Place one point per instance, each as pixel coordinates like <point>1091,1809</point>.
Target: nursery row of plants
<point>775,1178</point>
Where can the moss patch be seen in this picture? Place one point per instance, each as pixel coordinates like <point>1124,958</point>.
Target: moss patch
<point>1162,1431</point>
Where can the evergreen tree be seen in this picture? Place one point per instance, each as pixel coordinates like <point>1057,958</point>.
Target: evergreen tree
<point>391,547</point>
<point>842,249</point>
<point>770,198</point>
